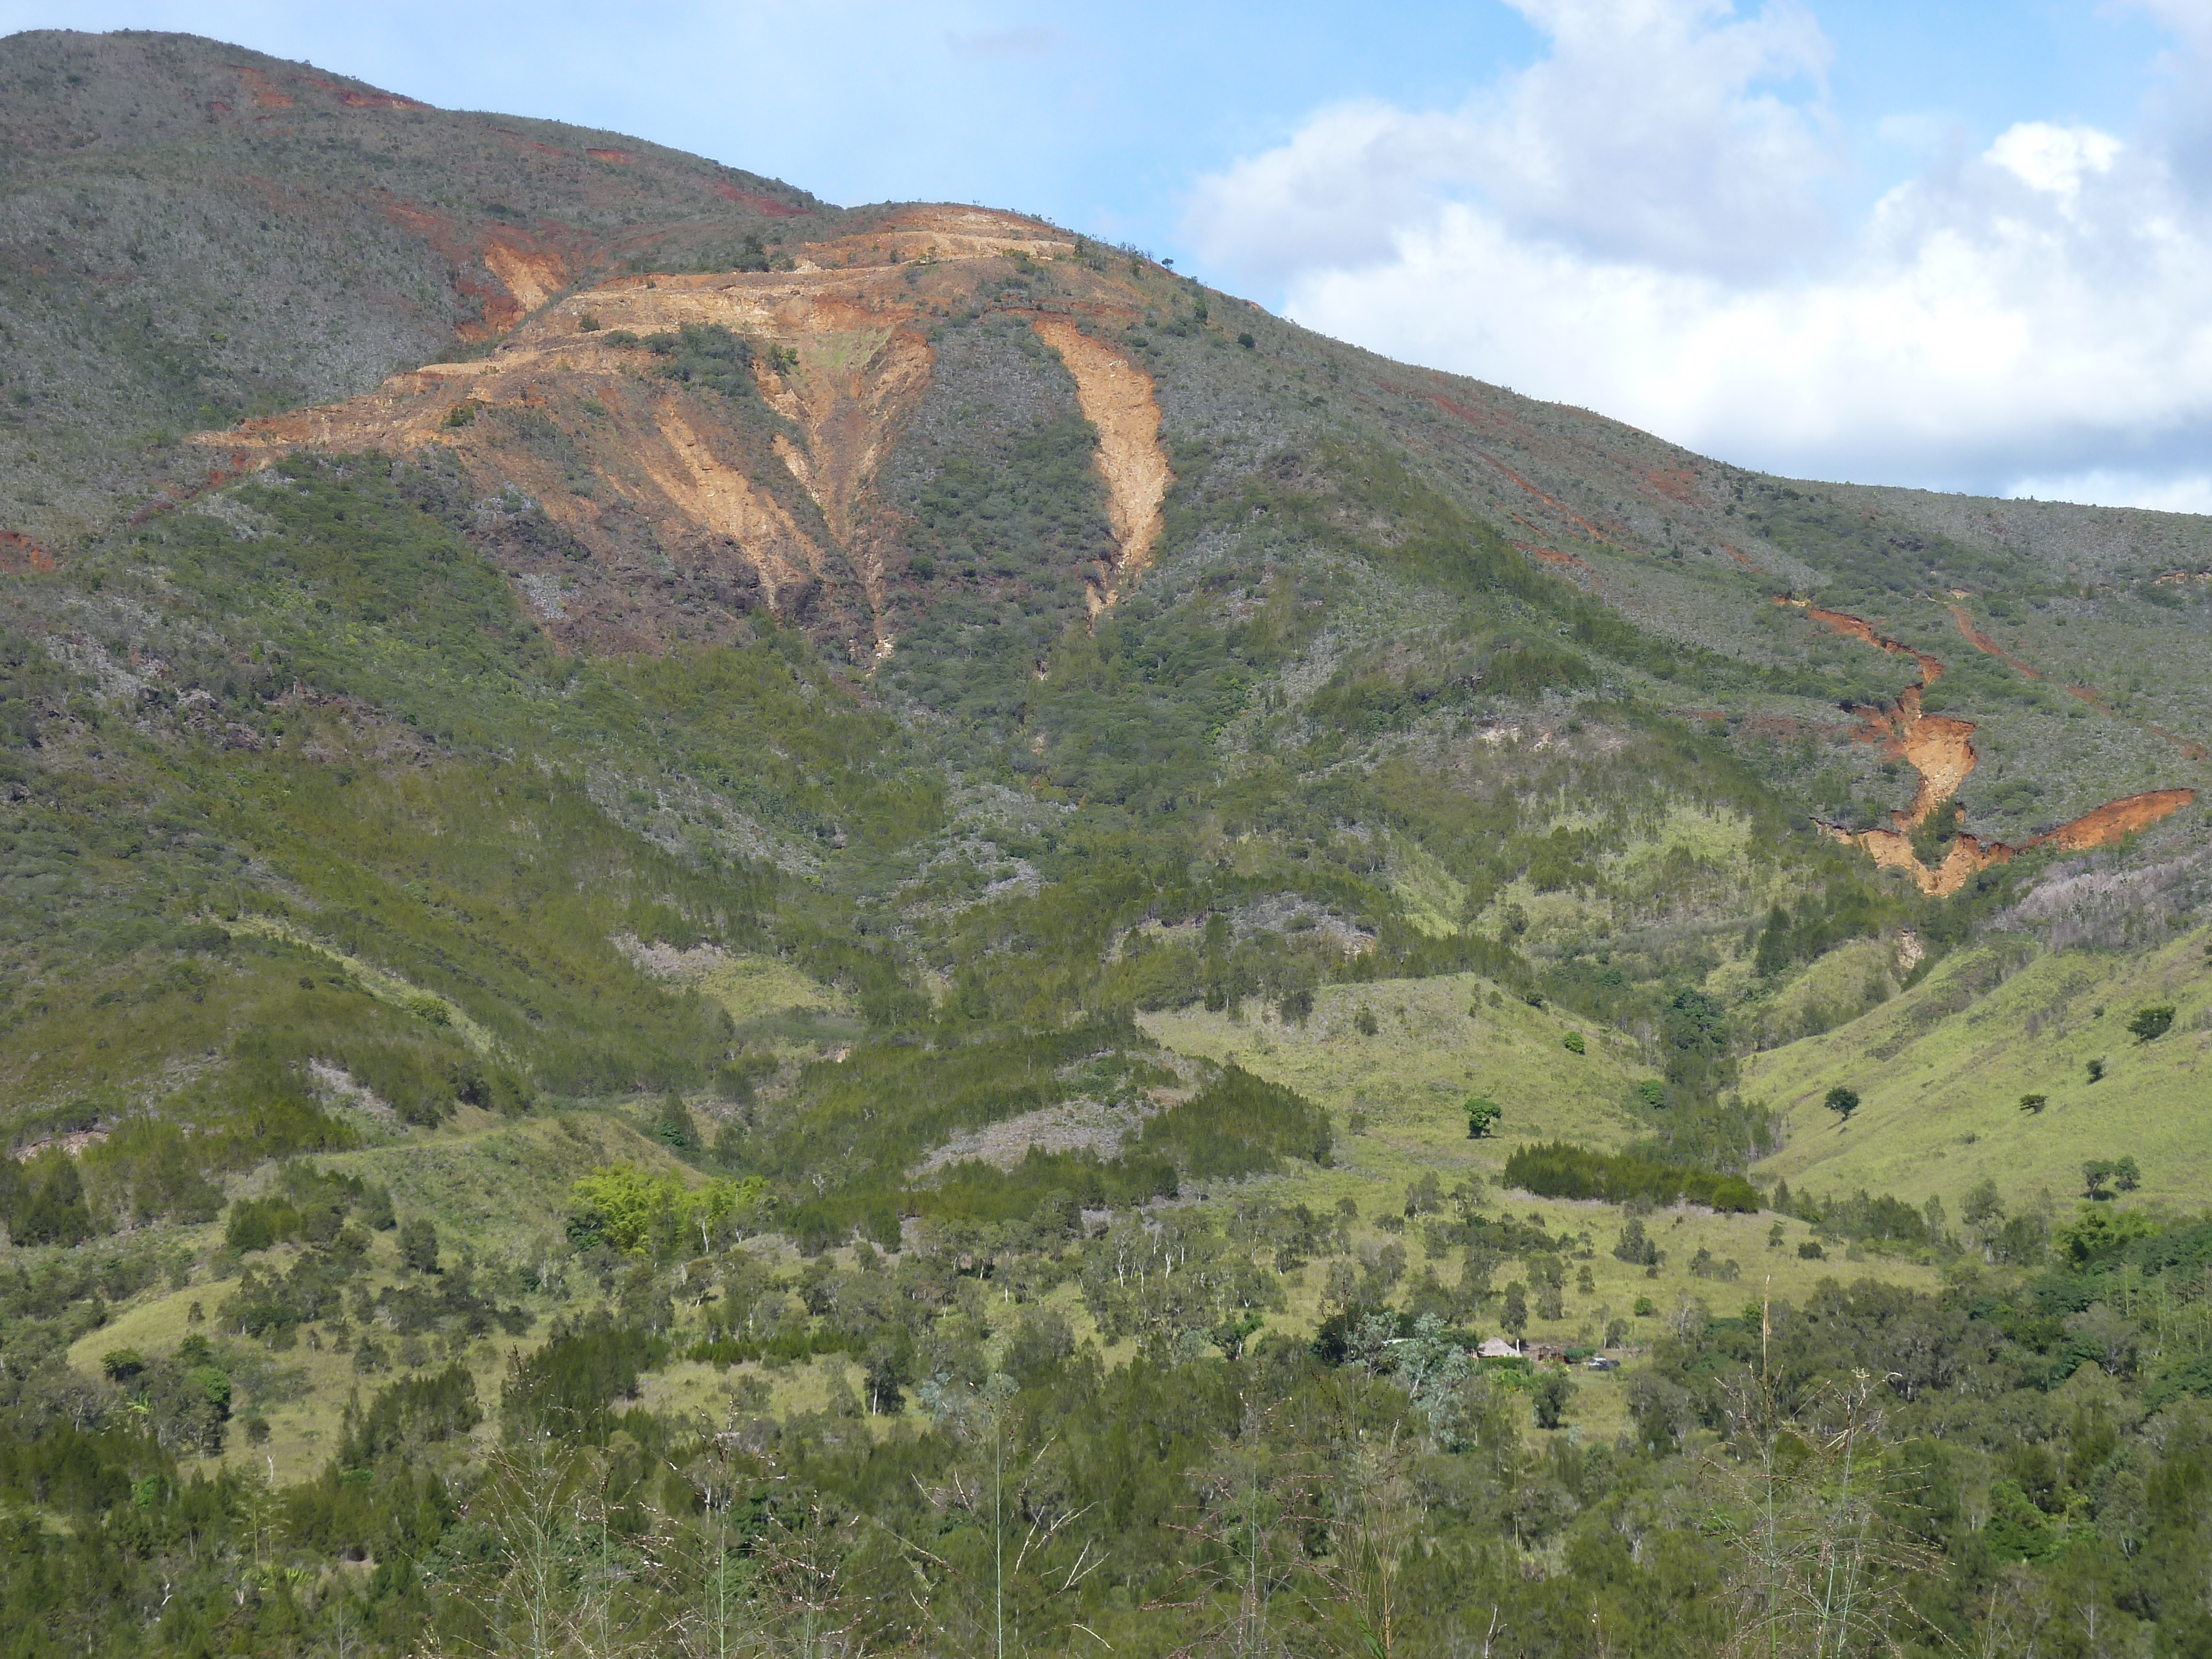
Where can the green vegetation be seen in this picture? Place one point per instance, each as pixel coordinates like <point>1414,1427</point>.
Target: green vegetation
<point>1560,1170</point>
<point>571,1093</point>
<point>2151,1023</point>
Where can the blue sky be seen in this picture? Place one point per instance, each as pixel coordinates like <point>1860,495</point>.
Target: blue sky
<point>1961,246</point>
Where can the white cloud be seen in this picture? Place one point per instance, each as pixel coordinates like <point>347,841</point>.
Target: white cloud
<point>1651,133</point>
<point>2054,159</point>
<point>1637,225</point>
<point>2188,492</point>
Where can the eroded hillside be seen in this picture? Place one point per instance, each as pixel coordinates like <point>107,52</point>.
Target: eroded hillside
<point>683,874</point>
<point>1042,634</point>
<point>670,512</point>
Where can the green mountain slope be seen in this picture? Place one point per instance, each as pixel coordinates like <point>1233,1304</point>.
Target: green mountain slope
<point>625,794</point>
<point>1942,1071</point>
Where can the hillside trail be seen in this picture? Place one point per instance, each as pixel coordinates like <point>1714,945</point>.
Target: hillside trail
<point>1940,747</point>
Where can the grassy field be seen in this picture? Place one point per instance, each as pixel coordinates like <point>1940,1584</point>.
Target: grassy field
<point>1941,1071</point>
<point>1436,1043</point>
<point>500,1189</point>
<point>1407,1082</point>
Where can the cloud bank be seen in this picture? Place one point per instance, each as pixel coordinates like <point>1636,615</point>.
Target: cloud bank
<point>1662,221</point>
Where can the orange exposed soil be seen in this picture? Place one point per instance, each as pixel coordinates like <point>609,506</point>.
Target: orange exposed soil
<point>620,158</point>
<point>715,495</point>
<point>1677,484</point>
<point>1116,397</point>
<point>19,553</point>
<point>2116,819</point>
<point>1988,646</point>
<point>842,355</point>
<point>1931,670</point>
<point>513,137</point>
<point>1565,560</point>
<point>353,100</point>
<point>264,93</point>
<point>1941,750</point>
<point>1552,555</point>
<point>532,275</point>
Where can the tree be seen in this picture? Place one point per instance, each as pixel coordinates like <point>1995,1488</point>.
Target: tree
<point>418,1246</point>
<point>1695,1030</point>
<point>1552,1391</point>
<point>1816,1565</point>
<point>1842,1101</point>
<point>1482,1115</point>
<point>1515,1316</point>
<point>1634,1246</point>
<point>1017,1563</point>
<point>1983,1206</point>
<point>527,1591</point>
<point>1254,1507</point>
<point>2151,1023</point>
<point>2123,1173</point>
<point>1233,1333</point>
<point>1374,1514</point>
<point>673,1128</point>
<point>2034,1102</point>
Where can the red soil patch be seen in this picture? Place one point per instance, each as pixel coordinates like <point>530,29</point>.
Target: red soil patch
<point>2116,819</point>
<point>621,158</point>
<point>1738,558</point>
<point>1940,749</point>
<point>1988,646</point>
<point>514,136</point>
<point>1567,561</point>
<point>1550,555</point>
<point>767,205</point>
<point>1676,484</point>
<point>18,554</point>
<point>354,99</point>
<point>1931,670</point>
<point>264,93</point>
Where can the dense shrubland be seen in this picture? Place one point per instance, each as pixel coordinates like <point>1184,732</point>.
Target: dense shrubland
<point>2027,1449</point>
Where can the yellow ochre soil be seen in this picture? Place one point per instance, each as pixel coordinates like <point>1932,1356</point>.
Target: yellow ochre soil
<point>849,359</point>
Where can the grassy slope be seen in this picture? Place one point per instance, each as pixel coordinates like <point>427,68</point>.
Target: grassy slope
<point>1427,1056</point>
<point>1409,1080</point>
<point>499,1188</point>
<point>1941,1070</point>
